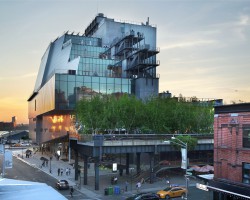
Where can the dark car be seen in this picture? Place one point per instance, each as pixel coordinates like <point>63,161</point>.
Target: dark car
<point>144,196</point>
<point>62,185</point>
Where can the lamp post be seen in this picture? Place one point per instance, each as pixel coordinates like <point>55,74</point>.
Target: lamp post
<point>184,158</point>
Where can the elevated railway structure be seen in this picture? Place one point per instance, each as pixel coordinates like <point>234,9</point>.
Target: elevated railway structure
<point>130,145</point>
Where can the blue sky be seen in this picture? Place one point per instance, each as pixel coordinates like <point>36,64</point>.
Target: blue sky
<point>204,45</point>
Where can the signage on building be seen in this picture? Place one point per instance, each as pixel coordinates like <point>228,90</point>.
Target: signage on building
<point>8,159</point>
<point>184,158</point>
<point>114,167</point>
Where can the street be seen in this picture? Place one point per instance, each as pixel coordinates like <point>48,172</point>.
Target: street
<point>23,171</point>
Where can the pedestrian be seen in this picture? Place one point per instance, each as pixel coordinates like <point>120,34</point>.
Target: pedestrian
<point>61,171</point>
<point>167,182</point>
<point>126,186</point>
<point>58,171</point>
<point>69,171</point>
<point>138,186</point>
<point>71,191</point>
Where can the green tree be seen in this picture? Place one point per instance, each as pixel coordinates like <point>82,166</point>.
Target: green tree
<point>186,139</point>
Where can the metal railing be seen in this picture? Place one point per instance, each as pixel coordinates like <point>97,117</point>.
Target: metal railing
<point>131,137</point>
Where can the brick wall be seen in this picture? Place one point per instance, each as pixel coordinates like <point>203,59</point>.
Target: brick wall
<point>229,153</point>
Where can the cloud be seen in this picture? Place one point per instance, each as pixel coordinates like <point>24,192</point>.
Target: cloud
<point>185,44</point>
<point>244,20</point>
<point>19,77</point>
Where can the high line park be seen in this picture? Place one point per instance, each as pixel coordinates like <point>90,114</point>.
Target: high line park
<point>133,147</point>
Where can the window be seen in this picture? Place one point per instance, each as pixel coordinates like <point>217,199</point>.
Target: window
<point>246,137</point>
<point>246,173</point>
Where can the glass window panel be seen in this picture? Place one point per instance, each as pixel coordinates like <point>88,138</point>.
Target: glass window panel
<point>118,88</point>
<point>95,79</point>
<point>125,81</point>
<point>71,78</point>
<point>125,89</point>
<point>110,88</point>
<point>57,85</point>
<point>117,81</point>
<point>110,80</point>
<point>246,173</point>
<point>63,77</point>
<point>87,85</point>
<point>95,87</point>
<point>103,88</point>
<point>57,77</point>
<point>246,137</point>
<point>103,80</point>
<point>71,88</point>
<point>79,78</point>
<point>87,79</point>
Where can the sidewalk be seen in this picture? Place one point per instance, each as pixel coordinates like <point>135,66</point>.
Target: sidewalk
<point>105,177</point>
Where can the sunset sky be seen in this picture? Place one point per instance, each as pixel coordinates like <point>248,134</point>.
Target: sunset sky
<point>204,45</point>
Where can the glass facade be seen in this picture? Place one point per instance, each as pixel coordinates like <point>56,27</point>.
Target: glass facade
<point>71,88</point>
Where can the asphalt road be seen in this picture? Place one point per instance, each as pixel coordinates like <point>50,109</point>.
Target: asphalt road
<point>22,171</point>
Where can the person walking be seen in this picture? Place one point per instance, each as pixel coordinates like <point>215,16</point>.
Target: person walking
<point>58,171</point>
<point>61,171</point>
<point>126,186</point>
<point>71,191</point>
<point>138,186</point>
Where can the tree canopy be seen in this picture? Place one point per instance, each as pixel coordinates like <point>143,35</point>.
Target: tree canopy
<point>156,115</point>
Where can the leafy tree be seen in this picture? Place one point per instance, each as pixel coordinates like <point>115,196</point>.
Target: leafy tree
<point>186,139</point>
<point>156,115</point>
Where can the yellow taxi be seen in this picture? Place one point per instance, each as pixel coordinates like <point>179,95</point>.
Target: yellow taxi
<point>171,192</point>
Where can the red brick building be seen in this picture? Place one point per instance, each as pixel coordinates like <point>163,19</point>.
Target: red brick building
<point>231,152</point>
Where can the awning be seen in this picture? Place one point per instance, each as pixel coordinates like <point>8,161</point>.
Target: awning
<point>228,188</point>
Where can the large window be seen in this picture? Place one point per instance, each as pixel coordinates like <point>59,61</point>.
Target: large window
<point>246,173</point>
<point>246,137</point>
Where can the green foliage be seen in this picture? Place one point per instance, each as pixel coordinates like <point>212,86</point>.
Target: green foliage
<point>156,115</point>
<point>187,139</point>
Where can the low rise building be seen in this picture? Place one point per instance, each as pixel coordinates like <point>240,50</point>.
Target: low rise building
<point>231,152</point>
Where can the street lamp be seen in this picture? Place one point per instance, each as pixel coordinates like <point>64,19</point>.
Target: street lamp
<point>184,148</point>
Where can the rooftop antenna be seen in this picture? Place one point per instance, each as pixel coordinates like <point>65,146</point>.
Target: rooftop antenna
<point>147,23</point>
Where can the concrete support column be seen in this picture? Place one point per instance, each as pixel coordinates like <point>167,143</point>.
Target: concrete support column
<point>69,154</point>
<point>152,173</point>
<point>97,162</point>
<point>127,163</point>
<point>76,165</point>
<point>138,162</point>
<point>85,180</point>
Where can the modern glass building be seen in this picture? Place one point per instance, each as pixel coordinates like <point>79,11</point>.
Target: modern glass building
<point>111,57</point>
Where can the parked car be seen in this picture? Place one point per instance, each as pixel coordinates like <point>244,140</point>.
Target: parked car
<point>144,196</point>
<point>171,192</point>
<point>62,185</point>
<point>25,144</point>
<point>16,145</point>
